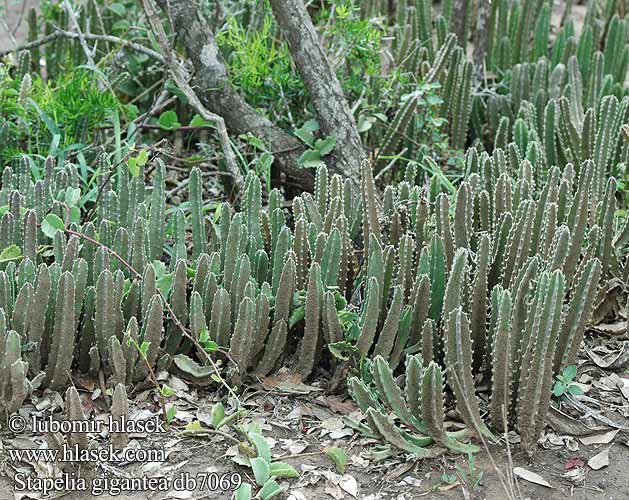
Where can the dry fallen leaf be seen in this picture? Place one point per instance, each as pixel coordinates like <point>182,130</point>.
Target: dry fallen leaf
<point>618,328</point>
<point>333,424</point>
<point>289,383</point>
<point>600,460</point>
<point>349,484</point>
<point>531,477</point>
<point>337,405</point>
<point>565,424</point>
<point>616,360</point>
<point>599,438</point>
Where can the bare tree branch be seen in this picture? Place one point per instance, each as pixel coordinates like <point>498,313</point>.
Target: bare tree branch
<point>88,36</point>
<point>77,27</point>
<point>328,99</point>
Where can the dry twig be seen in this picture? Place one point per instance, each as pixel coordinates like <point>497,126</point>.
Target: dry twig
<point>181,77</point>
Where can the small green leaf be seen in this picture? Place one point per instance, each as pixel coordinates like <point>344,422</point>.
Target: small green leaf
<point>12,252</point>
<point>210,346</point>
<point>283,470</point>
<point>270,490</point>
<point>218,414</point>
<point>165,283</point>
<point>306,136</point>
<point>448,478</point>
<point>296,316</point>
<point>75,215</point>
<point>168,120</point>
<point>204,336</point>
<point>340,350</point>
<point>559,389</point>
<point>261,470</point>
<point>310,158</point>
<point>144,348</point>
<point>243,492</point>
<point>142,158</point>
<point>174,89</point>
<point>194,426</point>
<point>575,390</point>
<point>121,25</point>
<point>339,457</point>
<point>312,125</point>
<point>325,146</point>
<point>51,224</point>
<point>197,121</point>
<point>117,8</point>
<point>365,123</point>
<point>433,99</point>
<point>569,373</point>
<point>171,411</point>
<point>262,446</point>
<point>167,391</point>
<point>73,195</point>
<point>132,166</point>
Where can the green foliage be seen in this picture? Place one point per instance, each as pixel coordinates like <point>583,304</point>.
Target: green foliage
<point>259,66</point>
<point>564,383</point>
<point>317,148</point>
<point>56,115</point>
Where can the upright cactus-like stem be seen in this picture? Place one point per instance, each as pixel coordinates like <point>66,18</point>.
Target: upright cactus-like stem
<point>502,365</point>
<point>157,212</point>
<point>308,347</point>
<point>370,316</point>
<point>14,386</point>
<point>199,236</point>
<point>459,362</point>
<point>241,341</point>
<point>62,347</point>
<point>539,350</point>
<point>74,413</point>
<point>371,225</point>
<point>119,413</point>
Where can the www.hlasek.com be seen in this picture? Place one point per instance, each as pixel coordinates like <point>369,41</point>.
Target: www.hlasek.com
<point>112,485</point>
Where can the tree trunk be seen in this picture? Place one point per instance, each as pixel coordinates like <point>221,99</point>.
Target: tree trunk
<point>459,21</point>
<point>211,84</point>
<point>481,34</point>
<point>335,116</point>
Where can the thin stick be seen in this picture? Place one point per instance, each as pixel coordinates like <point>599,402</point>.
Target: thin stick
<point>181,77</point>
<point>87,36</point>
<point>88,52</point>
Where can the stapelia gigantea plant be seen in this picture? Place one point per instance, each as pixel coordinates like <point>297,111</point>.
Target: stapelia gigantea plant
<point>501,288</point>
<point>270,286</point>
<point>99,291</point>
<point>561,101</point>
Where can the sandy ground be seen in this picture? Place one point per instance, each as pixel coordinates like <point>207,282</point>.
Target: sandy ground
<point>392,479</point>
